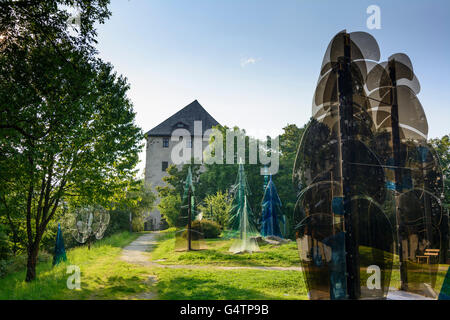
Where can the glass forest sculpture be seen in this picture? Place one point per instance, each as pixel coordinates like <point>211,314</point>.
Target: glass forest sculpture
<point>242,220</point>
<point>272,220</point>
<point>188,238</point>
<point>90,224</point>
<point>371,186</point>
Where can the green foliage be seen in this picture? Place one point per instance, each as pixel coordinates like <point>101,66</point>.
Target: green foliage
<point>209,229</point>
<point>442,148</point>
<point>203,229</point>
<point>138,201</point>
<point>4,244</point>
<point>221,177</point>
<point>119,220</point>
<point>171,193</point>
<point>216,207</point>
<point>175,179</point>
<point>19,263</point>
<point>170,206</point>
<point>66,127</point>
<point>289,142</point>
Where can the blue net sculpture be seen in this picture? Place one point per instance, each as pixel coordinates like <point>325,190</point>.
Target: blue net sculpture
<point>272,217</point>
<point>60,251</point>
<point>370,184</point>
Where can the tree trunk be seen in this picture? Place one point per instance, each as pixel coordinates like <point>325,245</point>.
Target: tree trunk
<point>31,263</point>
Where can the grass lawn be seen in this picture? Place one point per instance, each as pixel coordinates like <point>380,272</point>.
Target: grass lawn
<point>103,275</point>
<point>198,284</point>
<point>217,253</point>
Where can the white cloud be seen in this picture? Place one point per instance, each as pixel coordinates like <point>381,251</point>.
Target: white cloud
<point>247,61</point>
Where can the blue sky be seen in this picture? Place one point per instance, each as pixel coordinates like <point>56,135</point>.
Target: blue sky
<point>255,63</point>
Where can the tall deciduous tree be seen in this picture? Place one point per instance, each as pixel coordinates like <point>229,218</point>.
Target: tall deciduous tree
<point>66,125</point>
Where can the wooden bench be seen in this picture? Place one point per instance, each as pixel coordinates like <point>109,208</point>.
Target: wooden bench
<point>428,253</point>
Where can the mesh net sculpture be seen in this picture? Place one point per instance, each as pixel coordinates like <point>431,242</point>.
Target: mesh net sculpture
<point>188,237</point>
<point>371,186</point>
<point>90,223</point>
<point>272,218</point>
<point>242,222</point>
<point>60,251</point>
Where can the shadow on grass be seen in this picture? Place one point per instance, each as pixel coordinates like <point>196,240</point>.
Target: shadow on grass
<point>182,287</point>
<point>176,284</point>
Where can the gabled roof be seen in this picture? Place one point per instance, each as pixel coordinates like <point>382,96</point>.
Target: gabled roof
<point>185,119</point>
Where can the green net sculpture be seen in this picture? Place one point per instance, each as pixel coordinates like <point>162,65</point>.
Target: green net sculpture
<point>242,221</point>
<point>60,251</point>
<point>189,235</point>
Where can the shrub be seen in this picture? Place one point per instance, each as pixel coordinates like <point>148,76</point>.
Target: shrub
<point>209,229</point>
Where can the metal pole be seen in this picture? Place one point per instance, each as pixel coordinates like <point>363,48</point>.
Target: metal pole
<point>189,218</point>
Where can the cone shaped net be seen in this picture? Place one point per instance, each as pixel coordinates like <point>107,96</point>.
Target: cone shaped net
<point>242,221</point>
<point>60,251</point>
<point>189,234</point>
<point>370,185</point>
<point>272,220</point>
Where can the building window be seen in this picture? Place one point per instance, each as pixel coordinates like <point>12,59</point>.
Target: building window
<point>165,142</point>
<point>165,164</point>
<point>188,143</point>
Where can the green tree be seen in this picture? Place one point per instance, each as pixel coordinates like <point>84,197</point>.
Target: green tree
<point>216,207</point>
<point>66,125</point>
<point>442,147</point>
<point>171,192</point>
<point>170,207</point>
<point>289,142</point>
<point>221,177</point>
<point>139,201</point>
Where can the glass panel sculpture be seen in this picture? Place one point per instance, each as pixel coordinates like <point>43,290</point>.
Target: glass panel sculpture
<point>371,186</point>
<point>242,221</point>
<point>189,235</point>
<point>90,223</point>
<point>272,219</point>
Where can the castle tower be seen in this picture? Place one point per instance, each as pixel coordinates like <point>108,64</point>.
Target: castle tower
<point>159,147</point>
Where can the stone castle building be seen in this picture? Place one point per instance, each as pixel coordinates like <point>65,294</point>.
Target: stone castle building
<point>160,145</point>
